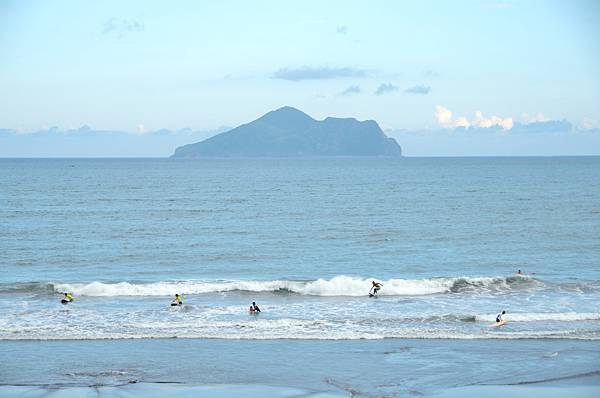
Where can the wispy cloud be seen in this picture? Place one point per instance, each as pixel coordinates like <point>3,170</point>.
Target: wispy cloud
<point>543,127</point>
<point>311,22</point>
<point>429,73</point>
<point>318,73</point>
<point>121,27</point>
<point>342,30</point>
<point>497,5</point>
<point>351,90</point>
<point>386,88</point>
<point>418,89</point>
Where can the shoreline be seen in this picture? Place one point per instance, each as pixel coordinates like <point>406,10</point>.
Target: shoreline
<point>293,368</point>
<point>315,339</point>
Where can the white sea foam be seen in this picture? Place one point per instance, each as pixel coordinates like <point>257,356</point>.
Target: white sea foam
<point>337,286</point>
<point>543,316</point>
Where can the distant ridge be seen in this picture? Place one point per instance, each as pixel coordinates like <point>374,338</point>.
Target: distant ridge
<point>289,132</point>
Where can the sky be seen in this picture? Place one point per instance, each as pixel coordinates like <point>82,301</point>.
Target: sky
<point>421,69</point>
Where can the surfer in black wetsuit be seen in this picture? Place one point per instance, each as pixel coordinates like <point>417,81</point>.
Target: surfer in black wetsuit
<point>499,317</point>
<point>254,308</point>
<point>375,288</point>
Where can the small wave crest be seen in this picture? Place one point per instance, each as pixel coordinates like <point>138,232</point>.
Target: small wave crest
<point>337,286</point>
<point>30,287</point>
<point>543,316</point>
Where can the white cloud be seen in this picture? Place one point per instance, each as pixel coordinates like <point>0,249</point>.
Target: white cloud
<point>590,124</point>
<point>481,121</point>
<point>539,118</point>
<point>462,122</point>
<point>444,118</point>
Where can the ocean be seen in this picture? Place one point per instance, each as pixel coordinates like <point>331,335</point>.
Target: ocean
<point>303,238</point>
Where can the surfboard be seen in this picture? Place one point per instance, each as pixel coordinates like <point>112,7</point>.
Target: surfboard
<point>63,301</point>
<point>498,324</point>
<point>371,295</point>
<point>176,305</point>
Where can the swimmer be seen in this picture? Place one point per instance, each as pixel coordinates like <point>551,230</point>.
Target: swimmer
<point>254,307</point>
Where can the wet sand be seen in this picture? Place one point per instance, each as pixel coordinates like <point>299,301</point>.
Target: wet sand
<point>290,368</point>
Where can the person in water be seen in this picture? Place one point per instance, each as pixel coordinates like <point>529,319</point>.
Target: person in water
<point>499,317</point>
<point>67,298</point>
<point>375,287</point>
<point>520,273</point>
<point>177,300</point>
<point>254,308</point>
<point>251,310</point>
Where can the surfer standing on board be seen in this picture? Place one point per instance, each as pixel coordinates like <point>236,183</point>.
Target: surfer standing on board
<point>375,288</point>
<point>499,317</point>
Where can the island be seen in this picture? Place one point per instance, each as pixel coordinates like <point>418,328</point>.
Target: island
<point>289,132</point>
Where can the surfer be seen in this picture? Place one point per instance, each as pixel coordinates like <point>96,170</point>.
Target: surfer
<point>67,298</point>
<point>254,308</point>
<point>499,317</point>
<point>375,288</point>
<point>520,273</point>
<point>177,300</point>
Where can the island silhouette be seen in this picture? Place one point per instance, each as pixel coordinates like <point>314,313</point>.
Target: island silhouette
<point>289,132</point>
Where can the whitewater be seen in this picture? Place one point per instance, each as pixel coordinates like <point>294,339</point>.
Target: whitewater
<point>321,309</point>
<point>337,286</point>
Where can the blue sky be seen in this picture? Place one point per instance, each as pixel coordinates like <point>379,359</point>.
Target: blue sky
<point>143,66</point>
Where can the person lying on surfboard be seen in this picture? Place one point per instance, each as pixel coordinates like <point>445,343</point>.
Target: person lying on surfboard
<point>177,300</point>
<point>375,288</point>
<point>499,317</point>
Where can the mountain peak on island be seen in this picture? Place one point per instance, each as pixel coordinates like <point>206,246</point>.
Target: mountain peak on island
<point>289,132</point>
<point>286,115</point>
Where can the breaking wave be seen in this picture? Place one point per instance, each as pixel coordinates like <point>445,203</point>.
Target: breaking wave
<point>337,286</point>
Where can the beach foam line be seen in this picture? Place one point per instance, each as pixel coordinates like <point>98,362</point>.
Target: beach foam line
<point>250,334</point>
<point>338,286</point>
